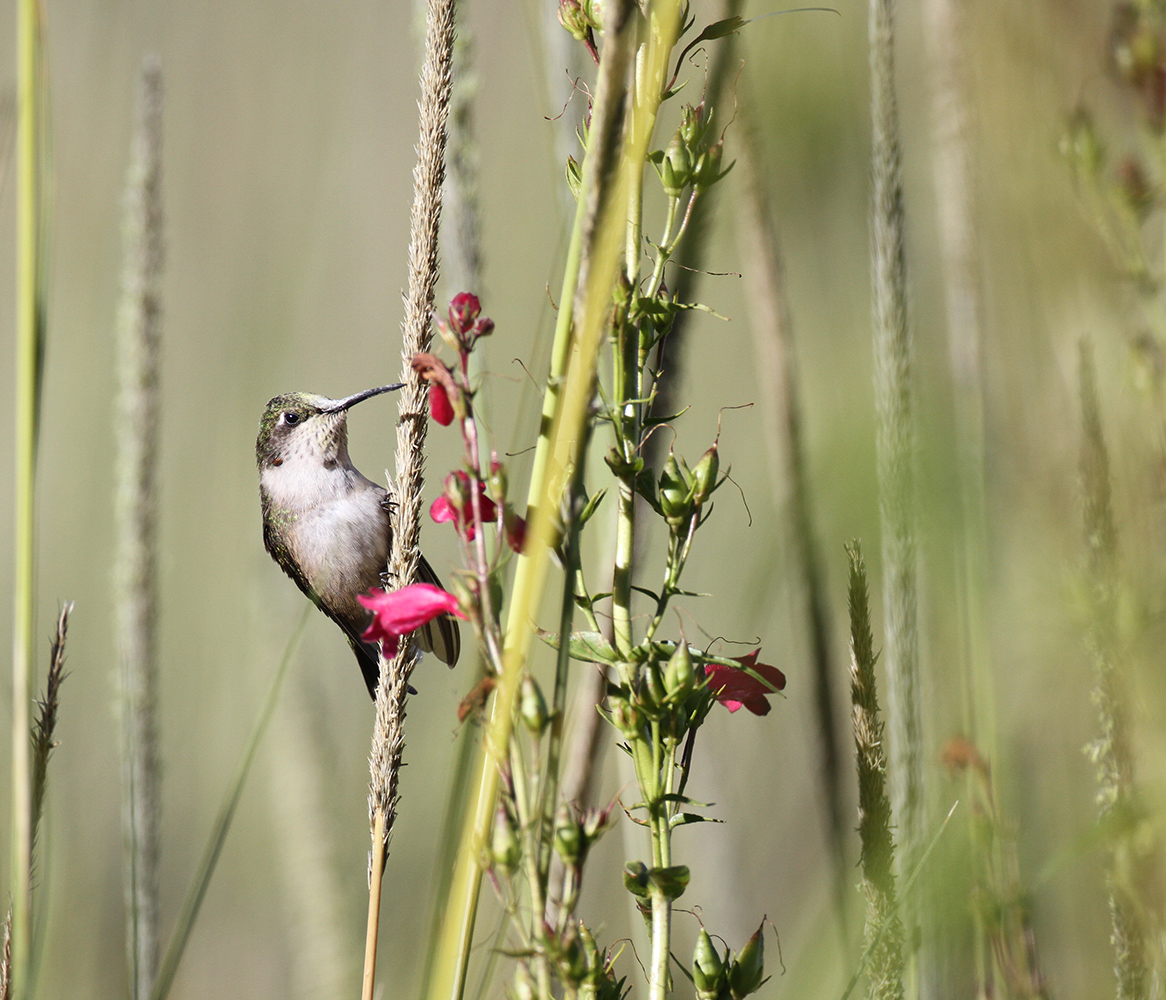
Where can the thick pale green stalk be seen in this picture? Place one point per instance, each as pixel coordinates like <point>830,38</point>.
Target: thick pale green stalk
<point>568,394</point>
<point>29,332</point>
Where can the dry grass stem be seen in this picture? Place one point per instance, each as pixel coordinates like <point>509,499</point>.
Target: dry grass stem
<point>428,175</point>
<point>895,448</point>
<point>777,375</point>
<point>462,243</point>
<point>320,951</point>
<point>884,931</point>
<point>6,957</point>
<point>1117,798</point>
<point>138,342</point>
<point>45,725</point>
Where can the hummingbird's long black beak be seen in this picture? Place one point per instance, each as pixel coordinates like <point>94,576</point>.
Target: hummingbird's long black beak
<point>339,405</point>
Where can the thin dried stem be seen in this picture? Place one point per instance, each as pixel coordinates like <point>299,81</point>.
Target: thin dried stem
<point>139,338</point>
<point>45,725</point>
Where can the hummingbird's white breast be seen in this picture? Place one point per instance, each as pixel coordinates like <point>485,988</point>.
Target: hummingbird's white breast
<point>337,528</point>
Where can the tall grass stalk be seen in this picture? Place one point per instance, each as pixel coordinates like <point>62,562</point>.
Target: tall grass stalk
<point>196,893</point>
<point>777,378</point>
<point>1111,750</point>
<point>138,343</point>
<point>884,930</point>
<point>392,691</point>
<point>30,328</point>
<point>895,445</point>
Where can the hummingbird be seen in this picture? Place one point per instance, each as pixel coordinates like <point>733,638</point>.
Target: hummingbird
<point>326,524</point>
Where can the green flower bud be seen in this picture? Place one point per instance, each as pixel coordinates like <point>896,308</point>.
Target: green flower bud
<point>505,848</point>
<point>679,675</point>
<point>676,168</point>
<point>574,177</point>
<point>692,126</point>
<point>573,18</point>
<point>569,841</point>
<point>704,476</point>
<point>708,168</point>
<point>1082,146</point>
<point>748,967</point>
<point>532,707</point>
<point>652,692</point>
<point>635,878</point>
<point>675,492</point>
<point>627,718</point>
<point>497,482</point>
<point>573,960</point>
<point>708,971</point>
<point>593,10</point>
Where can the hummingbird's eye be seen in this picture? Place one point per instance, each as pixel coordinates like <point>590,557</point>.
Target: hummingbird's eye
<point>291,418</point>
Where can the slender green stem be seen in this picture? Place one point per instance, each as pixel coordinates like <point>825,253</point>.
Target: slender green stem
<point>29,322</point>
<point>210,857</point>
<point>550,788</point>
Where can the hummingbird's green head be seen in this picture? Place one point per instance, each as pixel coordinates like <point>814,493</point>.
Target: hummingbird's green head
<point>306,424</point>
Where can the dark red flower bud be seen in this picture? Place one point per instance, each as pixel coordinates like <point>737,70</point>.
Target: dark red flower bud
<point>464,308</point>
<point>515,531</point>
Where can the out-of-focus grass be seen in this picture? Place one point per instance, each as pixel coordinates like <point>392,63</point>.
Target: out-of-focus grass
<point>289,146</point>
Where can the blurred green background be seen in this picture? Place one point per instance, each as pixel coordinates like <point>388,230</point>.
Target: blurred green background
<point>289,132</point>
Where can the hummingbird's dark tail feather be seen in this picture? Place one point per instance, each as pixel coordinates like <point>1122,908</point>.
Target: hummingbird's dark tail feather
<point>440,637</point>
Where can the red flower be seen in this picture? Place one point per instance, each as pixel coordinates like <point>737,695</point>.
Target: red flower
<point>399,612</point>
<point>440,408</point>
<point>456,505</point>
<point>515,531</point>
<point>734,687</point>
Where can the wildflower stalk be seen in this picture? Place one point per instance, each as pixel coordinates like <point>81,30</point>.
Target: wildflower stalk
<point>895,448</point>
<point>139,326</point>
<point>589,278</point>
<point>30,330</point>
<point>1117,798</point>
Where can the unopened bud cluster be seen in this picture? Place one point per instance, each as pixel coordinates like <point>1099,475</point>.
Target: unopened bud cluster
<point>728,977</point>
<point>690,160</point>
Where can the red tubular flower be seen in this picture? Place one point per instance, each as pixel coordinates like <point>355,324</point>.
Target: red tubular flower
<point>399,612</point>
<point>735,688</point>
<point>440,408</point>
<point>455,504</point>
